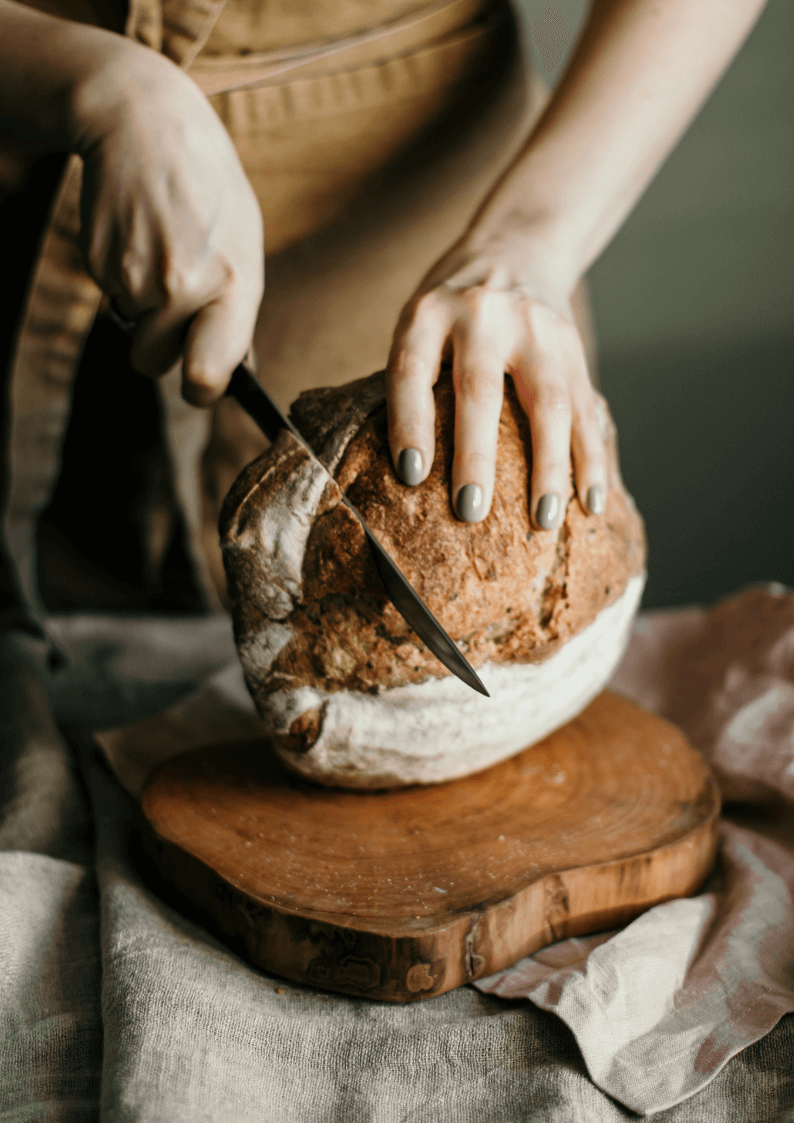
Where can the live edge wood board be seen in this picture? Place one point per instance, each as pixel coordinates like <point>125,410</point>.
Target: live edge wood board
<point>404,894</point>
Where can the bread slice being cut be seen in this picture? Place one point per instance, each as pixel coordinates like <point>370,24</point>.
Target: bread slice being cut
<point>348,693</point>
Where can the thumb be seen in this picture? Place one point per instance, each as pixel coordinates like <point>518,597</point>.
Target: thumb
<point>218,339</point>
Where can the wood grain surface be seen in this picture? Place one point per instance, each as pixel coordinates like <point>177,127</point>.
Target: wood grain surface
<point>403,894</point>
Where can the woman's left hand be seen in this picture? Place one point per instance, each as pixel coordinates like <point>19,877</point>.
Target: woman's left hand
<point>499,301</point>
<point>494,311</point>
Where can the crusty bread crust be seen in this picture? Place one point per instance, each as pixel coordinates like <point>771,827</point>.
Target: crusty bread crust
<point>295,556</point>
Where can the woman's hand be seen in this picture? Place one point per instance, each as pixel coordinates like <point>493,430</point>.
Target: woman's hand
<point>171,228</point>
<point>499,301</point>
<point>493,312</point>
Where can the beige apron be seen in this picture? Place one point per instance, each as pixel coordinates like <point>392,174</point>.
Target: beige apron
<point>368,155</point>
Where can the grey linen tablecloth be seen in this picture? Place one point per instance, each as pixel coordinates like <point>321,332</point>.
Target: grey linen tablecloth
<point>114,1007</point>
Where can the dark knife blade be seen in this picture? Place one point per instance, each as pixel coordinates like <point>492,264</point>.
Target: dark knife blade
<point>260,406</point>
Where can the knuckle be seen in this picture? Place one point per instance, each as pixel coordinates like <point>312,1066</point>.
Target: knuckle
<point>556,336</point>
<point>406,367</point>
<point>180,279</point>
<point>586,417</point>
<point>590,461</point>
<point>201,375</point>
<point>429,305</point>
<point>479,386</point>
<point>229,279</point>
<point>603,418</point>
<point>551,399</point>
<point>589,431</point>
<point>476,300</point>
<point>417,316</point>
<point>132,272</point>
<point>590,452</point>
<point>538,316</point>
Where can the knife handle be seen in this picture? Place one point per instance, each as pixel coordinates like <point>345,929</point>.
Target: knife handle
<point>258,404</point>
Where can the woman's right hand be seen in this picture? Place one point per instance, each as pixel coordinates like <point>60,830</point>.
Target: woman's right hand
<point>171,228</point>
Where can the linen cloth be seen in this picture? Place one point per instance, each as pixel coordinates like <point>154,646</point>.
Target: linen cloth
<point>659,1007</point>
<point>114,1007</point>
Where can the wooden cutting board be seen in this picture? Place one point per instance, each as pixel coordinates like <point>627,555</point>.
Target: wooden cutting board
<point>404,894</point>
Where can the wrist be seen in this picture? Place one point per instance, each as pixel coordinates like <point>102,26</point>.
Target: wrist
<point>534,247</point>
<point>102,84</point>
<point>45,61</point>
<point>122,83</point>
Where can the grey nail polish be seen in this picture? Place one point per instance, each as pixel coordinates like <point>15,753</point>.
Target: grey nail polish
<point>548,513</point>
<point>470,503</point>
<point>410,466</point>
<point>596,499</point>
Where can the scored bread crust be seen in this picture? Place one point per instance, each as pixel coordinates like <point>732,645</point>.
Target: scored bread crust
<point>311,619</point>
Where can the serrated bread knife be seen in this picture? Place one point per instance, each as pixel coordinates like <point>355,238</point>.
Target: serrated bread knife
<point>260,406</point>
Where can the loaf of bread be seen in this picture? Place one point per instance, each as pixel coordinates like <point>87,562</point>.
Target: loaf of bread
<point>347,692</point>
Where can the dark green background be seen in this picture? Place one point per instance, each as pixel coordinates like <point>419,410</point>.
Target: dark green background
<point>693,304</point>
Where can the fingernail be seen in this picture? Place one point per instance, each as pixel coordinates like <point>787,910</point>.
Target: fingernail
<point>596,499</point>
<point>410,466</point>
<point>548,513</point>
<point>469,504</point>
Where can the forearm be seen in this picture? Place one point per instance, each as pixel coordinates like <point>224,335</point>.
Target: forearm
<point>640,72</point>
<point>44,63</point>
